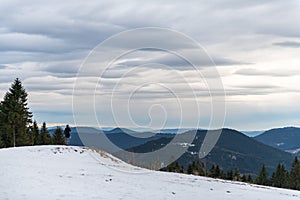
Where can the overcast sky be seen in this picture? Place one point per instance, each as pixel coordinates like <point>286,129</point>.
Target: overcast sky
<point>254,45</point>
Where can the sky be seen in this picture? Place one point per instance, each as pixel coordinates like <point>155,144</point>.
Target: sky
<point>98,63</point>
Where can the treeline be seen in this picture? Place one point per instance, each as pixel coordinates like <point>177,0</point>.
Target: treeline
<point>16,126</point>
<point>281,178</point>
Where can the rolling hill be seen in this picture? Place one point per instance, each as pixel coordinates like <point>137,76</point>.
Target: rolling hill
<point>233,150</point>
<point>286,139</point>
<point>119,137</point>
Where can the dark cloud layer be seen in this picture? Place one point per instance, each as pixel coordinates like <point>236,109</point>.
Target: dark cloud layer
<point>288,44</point>
<point>3,67</point>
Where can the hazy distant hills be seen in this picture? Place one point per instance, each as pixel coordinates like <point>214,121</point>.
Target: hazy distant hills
<point>233,149</point>
<point>120,137</point>
<point>252,133</point>
<point>287,139</point>
<point>125,138</point>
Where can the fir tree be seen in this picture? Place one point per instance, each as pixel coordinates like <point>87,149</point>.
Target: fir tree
<point>1,142</point>
<point>236,175</point>
<point>294,181</point>
<point>249,178</point>
<point>45,137</point>
<point>244,178</point>
<point>15,116</point>
<point>217,172</point>
<point>229,175</point>
<point>262,178</point>
<point>280,177</point>
<point>36,134</point>
<point>181,169</point>
<point>212,171</point>
<point>59,139</point>
<point>190,169</point>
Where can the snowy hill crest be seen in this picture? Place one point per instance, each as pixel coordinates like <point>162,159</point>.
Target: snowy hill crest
<point>61,172</point>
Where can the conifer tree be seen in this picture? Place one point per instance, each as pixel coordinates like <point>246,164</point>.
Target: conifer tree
<point>229,175</point>
<point>36,134</point>
<point>236,175</point>
<point>1,142</point>
<point>244,178</point>
<point>279,177</point>
<point>45,137</point>
<point>295,175</point>
<point>15,116</point>
<point>181,169</point>
<point>59,139</point>
<point>262,178</point>
<point>202,170</point>
<point>190,169</point>
<point>217,172</point>
<point>249,178</point>
<point>212,171</point>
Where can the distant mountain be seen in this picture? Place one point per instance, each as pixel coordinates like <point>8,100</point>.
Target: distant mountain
<point>252,133</point>
<point>112,140</point>
<point>287,139</point>
<point>173,130</point>
<point>232,150</point>
<point>119,130</point>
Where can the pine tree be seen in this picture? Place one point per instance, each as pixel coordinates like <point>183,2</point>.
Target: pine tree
<point>236,175</point>
<point>181,169</point>
<point>59,139</point>
<point>217,172</point>
<point>212,171</point>
<point>229,175</point>
<point>36,134</point>
<point>1,142</point>
<point>279,178</point>
<point>249,178</point>
<point>222,174</point>
<point>244,178</point>
<point>201,170</point>
<point>190,169</point>
<point>45,137</point>
<point>262,178</point>
<point>177,167</point>
<point>294,181</point>
<point>15,116</point>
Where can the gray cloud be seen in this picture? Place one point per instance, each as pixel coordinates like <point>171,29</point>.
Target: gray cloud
<point>288,44</point>
<point>58,28</point>
<point>3,67</point>
<point>62,69</point>
<point>256,72</point>
<point>44,43</point>
<point>189,60</point>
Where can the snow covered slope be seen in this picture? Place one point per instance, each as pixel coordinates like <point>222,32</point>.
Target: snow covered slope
<point>60,172</point>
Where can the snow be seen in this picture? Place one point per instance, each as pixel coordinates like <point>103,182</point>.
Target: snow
<point>293,151</point>
<point>184,144</point>
<point>60,172</point>
<point>279,144</point>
